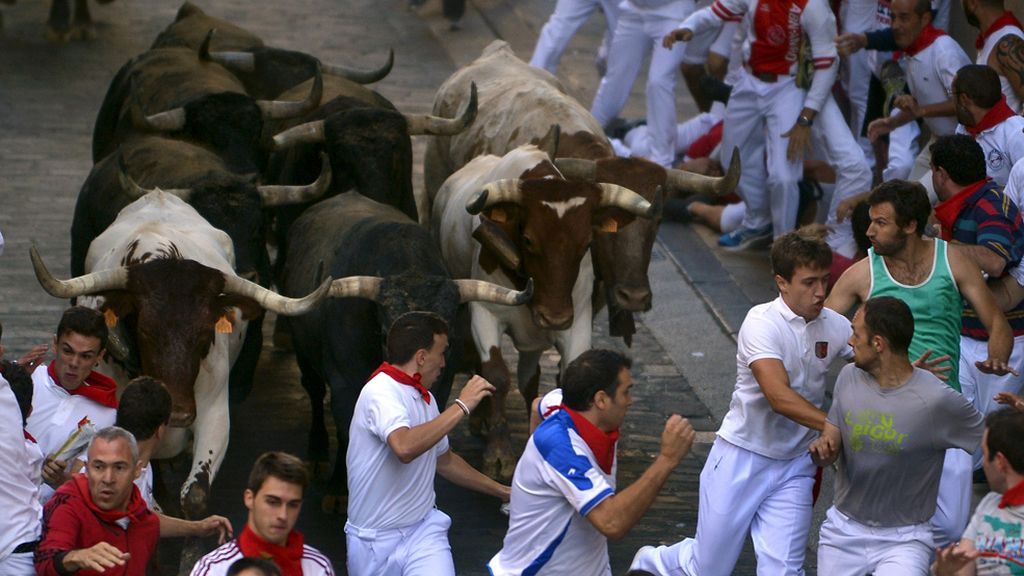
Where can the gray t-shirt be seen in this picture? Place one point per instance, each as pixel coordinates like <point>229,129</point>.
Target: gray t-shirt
<point>894,443</point>
<point>996,533</point>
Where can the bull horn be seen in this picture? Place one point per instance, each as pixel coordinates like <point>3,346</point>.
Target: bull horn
<point>362,76</point>
<point>493,193</point>
<point>273,301</point>
<point>684,181</point>
<point>134,191</point>
<point>551,139</point>
<point>241,61</point>
<point>168,121</point>
<point>622,197</point>
<point>578,169</point>
<point>308,133</point>
<point>357,287</point>
<point>116,346</point>
<point>437,126</point>
<point>282,110</point>
<point>114,279</point>
<point>283,195</point>
<point>480,291</point>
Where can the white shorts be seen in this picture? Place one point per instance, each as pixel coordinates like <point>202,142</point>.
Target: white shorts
<point>421,549</point>
<point>849,548</point>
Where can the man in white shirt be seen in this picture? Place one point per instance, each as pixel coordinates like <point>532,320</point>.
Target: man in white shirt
<point>759,476</point>
<point>983,113</point>
<point>68,393</point>
<point>273,495</point>
<point>769,117</point>
<point>564,503</point>
<point>19,522</point>
<point>397,441</point>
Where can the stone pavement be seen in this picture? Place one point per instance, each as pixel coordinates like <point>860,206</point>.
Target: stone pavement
<point>684,352</point>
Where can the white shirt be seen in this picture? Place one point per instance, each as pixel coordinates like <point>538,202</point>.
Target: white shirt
<point>557,482</point>
<point>986,51</point>
<point>930,75</point>
<point>216,563</point>
<point>21,511</point>
<point>806,349</point>
<point>816,21</point>
<point>549,401</point>
<point>1003,145</point>
<point>56,414</point>
<point>383,492</point>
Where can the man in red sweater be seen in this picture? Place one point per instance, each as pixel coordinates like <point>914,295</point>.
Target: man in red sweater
<point>98,522</point>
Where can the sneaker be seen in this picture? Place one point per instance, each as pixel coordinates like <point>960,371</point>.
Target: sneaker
<point>633,568</point>
<point>744,238</point>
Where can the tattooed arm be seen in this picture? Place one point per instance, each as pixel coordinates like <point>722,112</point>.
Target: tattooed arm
<point>1008,60</point>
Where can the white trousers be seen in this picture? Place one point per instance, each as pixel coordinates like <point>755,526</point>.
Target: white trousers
<point>637,33</point>
<point>855,75</point>
<point>418,550</point>
<point>849,548</point>
<point>903,150</point>
<point>567,18</point>
<point>638,139</point>
<point>832,136</point>
<point>18,565</point>
<point>742,492</point>
<point>979,387</point>
<point>953,505</point>
<point>757,116</point>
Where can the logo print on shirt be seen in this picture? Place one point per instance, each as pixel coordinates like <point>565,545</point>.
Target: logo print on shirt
<point>821,349</point>
<point>874,431</point>
<point>995,159</point>
<point>776,35</point>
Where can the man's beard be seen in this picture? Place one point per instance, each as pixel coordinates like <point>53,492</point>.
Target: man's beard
<point>890,248</point>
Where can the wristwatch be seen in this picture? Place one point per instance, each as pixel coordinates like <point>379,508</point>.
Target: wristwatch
<point>804,121</point>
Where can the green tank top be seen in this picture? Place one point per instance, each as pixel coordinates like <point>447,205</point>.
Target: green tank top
<point>935,303</point>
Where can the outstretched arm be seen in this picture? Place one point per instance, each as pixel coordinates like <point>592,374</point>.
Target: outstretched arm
<point>453,468</point>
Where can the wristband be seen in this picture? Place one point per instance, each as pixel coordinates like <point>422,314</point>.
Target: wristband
<point>465,409</point>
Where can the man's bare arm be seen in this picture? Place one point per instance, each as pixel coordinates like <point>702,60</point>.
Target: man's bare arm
<point>825,450</point>
<point>851,288</point>
<point>456,470</point>
<point>409,444</point>
<point>972,286</point>
<point>1009,62</point>
<point>990,263</point>
<point>773,379</point>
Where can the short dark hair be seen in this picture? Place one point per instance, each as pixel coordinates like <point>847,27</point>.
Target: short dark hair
<point>267,567</point>
<point>413,331</point>
<point>84,321</point>
<point>980,83</point>
<point>21,385</point>
<point>280,465</point>
<point>145,405</point>
<point>1005,430</point>
<point>961,157</point>
<point>798,248</point>
<point>589,373</point>
<point>909,200</point>
<point>890,318</point>
<point>922,7</point>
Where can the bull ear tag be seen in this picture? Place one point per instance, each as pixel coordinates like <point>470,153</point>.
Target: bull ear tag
<point>223,325</point>
<point>498,215</point>
<point>610,225</point>
<point>110,317</point>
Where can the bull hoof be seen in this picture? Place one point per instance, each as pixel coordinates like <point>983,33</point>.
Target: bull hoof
<point>85,31</point>
<point>58,36</point>
<point>335,504</point>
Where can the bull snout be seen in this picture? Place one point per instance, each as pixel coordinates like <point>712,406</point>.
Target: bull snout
<point>182,418</point>
<point>549,320</point>
<point>633,299</point>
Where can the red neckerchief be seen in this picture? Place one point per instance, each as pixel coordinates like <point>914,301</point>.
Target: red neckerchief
<point>97,387</point>
<point>1013,497</point>
<point>947,211</point>
<point>995,116</point>
<point>1007,19</point>
<point>928,35</point>
<point>29,437</point>
<point>288,557</point>
<point>601,443</point>
<point>402,378</point>
<point>135,509</point>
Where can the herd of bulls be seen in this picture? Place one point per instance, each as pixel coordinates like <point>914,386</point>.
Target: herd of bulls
<point>211,146</point>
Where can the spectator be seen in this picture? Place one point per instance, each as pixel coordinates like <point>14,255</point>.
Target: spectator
<point>98,523</point>
<point>564,503</point>
<point>983,114</point>
<point>277,485</point>
<point>19,491</point>
<point>253,567</point>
